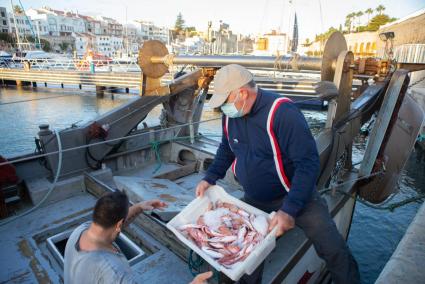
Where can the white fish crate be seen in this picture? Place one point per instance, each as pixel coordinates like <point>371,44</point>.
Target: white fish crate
<point>191,213</point>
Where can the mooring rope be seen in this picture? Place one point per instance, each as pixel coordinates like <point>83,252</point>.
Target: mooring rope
<point>195,262</point>
<point>391,207</point>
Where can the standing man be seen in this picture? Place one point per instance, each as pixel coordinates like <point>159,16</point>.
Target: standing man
<point>268,144</point>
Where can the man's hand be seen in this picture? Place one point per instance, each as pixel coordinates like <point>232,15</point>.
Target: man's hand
<point>201,188</point>
<point>152,204</point>
<point>201,278</point>
<point>283,221</point>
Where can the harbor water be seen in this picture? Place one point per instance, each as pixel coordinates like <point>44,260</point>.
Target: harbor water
<point>374,233</point>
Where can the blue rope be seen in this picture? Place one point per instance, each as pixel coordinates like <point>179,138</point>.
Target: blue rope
<point>155,147</point>
<point>195,263</point>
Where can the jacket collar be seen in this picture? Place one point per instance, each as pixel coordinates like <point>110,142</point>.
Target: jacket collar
<point>259,102</point>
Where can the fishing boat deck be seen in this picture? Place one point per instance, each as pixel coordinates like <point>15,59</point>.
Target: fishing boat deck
<point>26,258</point>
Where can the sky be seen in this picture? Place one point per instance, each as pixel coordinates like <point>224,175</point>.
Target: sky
<point>243,16</point>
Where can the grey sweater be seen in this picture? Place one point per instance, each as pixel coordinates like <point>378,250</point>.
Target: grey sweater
<point>94,266</point>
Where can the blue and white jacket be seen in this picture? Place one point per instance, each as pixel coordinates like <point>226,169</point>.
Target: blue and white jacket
<point>272,153</point>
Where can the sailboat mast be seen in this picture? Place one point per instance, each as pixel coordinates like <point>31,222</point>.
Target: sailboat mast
<point>18,41</point>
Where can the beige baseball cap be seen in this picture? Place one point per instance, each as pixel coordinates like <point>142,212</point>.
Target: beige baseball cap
<point>227,79</point>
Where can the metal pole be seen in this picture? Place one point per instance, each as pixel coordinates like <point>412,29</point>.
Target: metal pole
<point>300,62</point>
<point>16,27</point>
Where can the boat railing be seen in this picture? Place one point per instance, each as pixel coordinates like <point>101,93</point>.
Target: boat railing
<point>71,64</point>
<point>407,53</point>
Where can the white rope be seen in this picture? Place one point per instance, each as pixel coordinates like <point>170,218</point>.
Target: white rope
<point>52,186</point>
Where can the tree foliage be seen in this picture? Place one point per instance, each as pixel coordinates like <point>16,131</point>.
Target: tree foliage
<point>6,37</point>
<point>378,21</point>
<point>45,45</point>
<point>64,46</point>
<point>324,36</point>
<point>179,24</point>
<point>354,18</point>
<point>17,10</point>
<point>380,9</point>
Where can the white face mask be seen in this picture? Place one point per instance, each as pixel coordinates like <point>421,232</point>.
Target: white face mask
<point>230,109</point>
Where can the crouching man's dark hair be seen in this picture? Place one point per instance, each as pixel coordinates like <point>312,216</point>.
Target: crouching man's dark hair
<point>110,208</point>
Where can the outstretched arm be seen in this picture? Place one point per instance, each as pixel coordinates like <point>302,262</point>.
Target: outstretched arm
<point>138,208</point>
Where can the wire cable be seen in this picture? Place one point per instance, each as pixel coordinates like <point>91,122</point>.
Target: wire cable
<point>30,100</point>
<point>127,137</point>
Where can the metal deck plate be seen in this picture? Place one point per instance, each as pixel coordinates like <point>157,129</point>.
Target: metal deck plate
<point>140,189</point>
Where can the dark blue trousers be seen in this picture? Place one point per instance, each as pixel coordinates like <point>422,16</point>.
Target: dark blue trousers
<point>318,225</point>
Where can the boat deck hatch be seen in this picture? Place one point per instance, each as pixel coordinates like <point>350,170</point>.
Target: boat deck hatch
<point>56,245</point>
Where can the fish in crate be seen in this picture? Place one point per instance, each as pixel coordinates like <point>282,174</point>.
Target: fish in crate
<point>226,232</point>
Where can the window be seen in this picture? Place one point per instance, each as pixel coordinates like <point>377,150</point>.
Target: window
<point>3,14</point>
<point>4,22</point>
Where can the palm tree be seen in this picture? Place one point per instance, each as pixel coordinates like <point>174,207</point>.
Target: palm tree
<point>347,24</point>
<point>359,14</point>
<point>349,20</point>
<point>368,12</point>
<point>17,10</point>
<point>380,9</point>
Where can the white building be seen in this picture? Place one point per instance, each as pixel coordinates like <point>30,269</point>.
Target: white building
<point>273,44</point>
<point>110,46</point>
<point>116,45</point>
<point>83,42</point>
<point>131,30</point>
<point>4,21</point>
<point>193,45</point>
<point>20,22</point>
<point>148,31</point>
<point>161,33</point>
<point>132,39</point>
<point>41,27</point>
<point>92,25</point>
<point>103,44</point>
<point>57,23</point>
<point>110,26</point>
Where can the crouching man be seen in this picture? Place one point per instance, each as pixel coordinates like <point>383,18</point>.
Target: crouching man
<point>91,256</point>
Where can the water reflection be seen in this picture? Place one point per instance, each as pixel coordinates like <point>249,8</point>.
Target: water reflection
<point>19,122</point>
